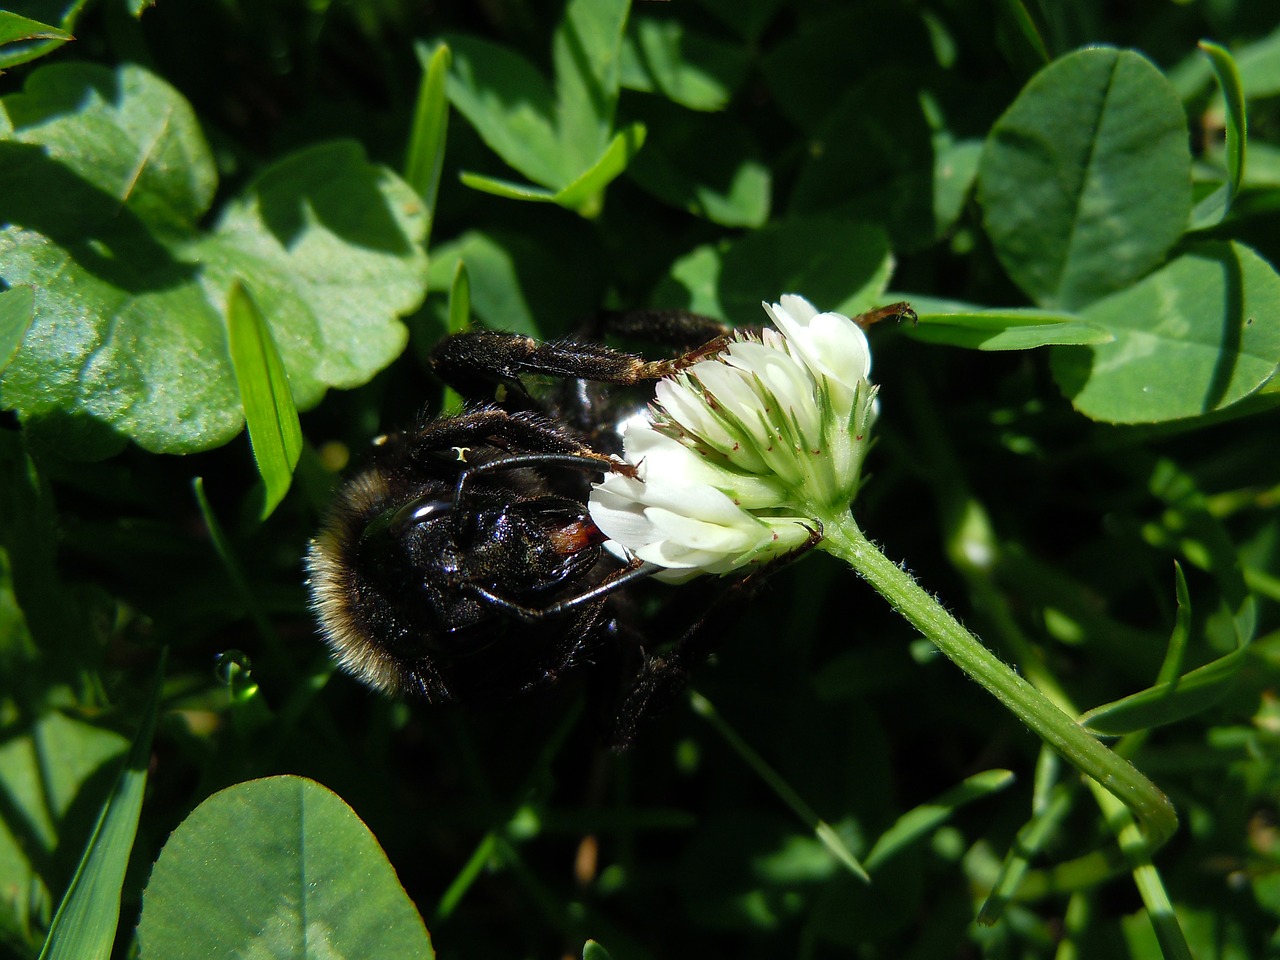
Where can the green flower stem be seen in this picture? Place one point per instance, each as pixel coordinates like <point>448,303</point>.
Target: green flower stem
<point>844,539</point>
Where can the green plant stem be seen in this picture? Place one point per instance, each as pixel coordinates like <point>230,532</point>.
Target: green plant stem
<point>844,539</point>
<point>1164,920</point>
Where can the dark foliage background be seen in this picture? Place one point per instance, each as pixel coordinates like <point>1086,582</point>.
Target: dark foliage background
<point>852,152</point>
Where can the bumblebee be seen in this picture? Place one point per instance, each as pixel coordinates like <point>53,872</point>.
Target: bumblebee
<point>461,564</point>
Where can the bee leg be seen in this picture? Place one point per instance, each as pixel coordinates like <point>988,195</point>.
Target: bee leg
<point>617,579</point>
<point>671,328</point>
<point>477,364</point>
<point>519,432</point>
<point>664,677</point>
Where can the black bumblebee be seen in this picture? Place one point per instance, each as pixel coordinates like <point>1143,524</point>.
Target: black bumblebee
<point>461,563</point>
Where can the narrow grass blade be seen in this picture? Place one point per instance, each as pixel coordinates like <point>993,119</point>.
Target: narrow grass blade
<point>84,928</point>
<point>823,830</point>
<point>1168,702</point>
<point>1030,841</point>
<point>480,857</point>
<point>1173,696</point>
<point>239,582</point>
<point>424,158</point>
<point>1021,18</point>
<point>458,321</point>
<point>269,411</point>
<point>1175,653</point>
<point>1214,207</point>
<point>921,820</point>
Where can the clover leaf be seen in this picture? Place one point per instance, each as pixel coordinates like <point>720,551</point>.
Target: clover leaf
<point>107,181</point>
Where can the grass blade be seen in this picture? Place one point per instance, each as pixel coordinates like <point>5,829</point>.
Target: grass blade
<point>424,158</point>
<point>458,321</point>
<point>919,821</point>
<point>84,928</point>
<point>269,411</point>
<point>823,830</point>
<point>1216,206</point>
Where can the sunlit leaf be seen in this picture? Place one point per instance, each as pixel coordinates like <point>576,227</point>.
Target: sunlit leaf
<point>279,867</point>
<point>1196,336</point>
<point>1085,181</point>
<point>110,178</point>
<point>17,310</point>
<point>840,265</point>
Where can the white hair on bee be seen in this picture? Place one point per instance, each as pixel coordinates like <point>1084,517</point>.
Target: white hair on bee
<point>334,586</point>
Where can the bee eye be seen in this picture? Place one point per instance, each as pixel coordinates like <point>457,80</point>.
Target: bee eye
<point>418,511</point>
<point>402,518</point>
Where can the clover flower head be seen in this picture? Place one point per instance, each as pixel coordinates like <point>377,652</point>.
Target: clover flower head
<point>746,453</point>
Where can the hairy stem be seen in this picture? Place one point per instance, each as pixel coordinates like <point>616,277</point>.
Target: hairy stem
<point>844,539</point>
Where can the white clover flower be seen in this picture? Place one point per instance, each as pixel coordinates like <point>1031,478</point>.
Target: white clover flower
<point>746,453</point>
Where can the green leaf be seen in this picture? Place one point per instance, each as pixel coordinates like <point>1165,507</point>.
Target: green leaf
<point>459,300</point>
<point>1195,337</point>
<point>507,189</point>
<point>872,158</point>
<point>586,51</point>
<point>516,283</point>
<point>837,264</point>
<point>838,35</point>
<point>593,951</point>
<point>14,27</point>
<point>84,928</point>
<point>1214,207</point>
<point>563,142</point>
<point>585,195</point>
<point>59,618</point>
<point>1011,329</point>
<point>1176,650</point>
<point>54,774</point>
<point>955,170</point>
<point>689,68</point>
<point>17,310</point>
<point>110,178</point>
<point>279,867</point>
<point>25,39</point>
<point>1168,702</point>
<point>269,411</point>
<point>511,105</point>
<point>424,158</point>
<point>1085,180</point>
<point>924,819</point>
<point>730,185</point>
<point>1259,64</point>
